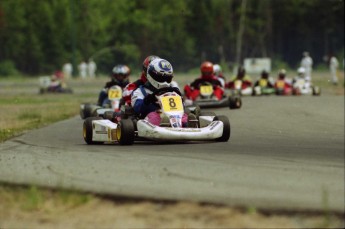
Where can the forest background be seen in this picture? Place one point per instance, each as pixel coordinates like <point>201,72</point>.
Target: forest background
<point>39,36</point>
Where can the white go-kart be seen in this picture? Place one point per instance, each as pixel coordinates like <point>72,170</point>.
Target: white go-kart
<point>130,128</point>
<point>113,103</point>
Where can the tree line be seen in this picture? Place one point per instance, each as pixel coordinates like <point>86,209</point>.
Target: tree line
<point>38,36</point>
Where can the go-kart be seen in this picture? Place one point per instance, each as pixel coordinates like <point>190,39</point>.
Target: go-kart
<point>282,87</point>
<point>131,128</point>
<point>207,99</point>
<point>48,86</point>
<point>240,88</point>
<point>304,87</point>
<point>112,103</point>
<point>263,88</point>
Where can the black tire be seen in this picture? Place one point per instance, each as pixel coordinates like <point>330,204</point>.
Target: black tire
<point>226,128</point>
<point>125,132</point>
<point>86,113</point>
<point>316,91</point>
<point>235,102</point>
<point>87,131</point>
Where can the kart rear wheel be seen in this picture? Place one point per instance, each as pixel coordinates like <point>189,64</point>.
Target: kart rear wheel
<point>226,128</point>
<point>88,130</point>
<point>235,102</point>
<point>125,132</point>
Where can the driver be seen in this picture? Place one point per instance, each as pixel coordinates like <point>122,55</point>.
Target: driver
<point>144,101</point>
<point>120,77</point>
<point>246,87</point>
<point>217,69</point>
<point>192,91</point>
<point>127,92</point>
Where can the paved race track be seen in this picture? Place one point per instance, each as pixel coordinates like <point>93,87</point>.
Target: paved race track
<point>284,153</point>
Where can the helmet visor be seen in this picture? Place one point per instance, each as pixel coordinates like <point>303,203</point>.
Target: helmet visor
<point>160,77</point>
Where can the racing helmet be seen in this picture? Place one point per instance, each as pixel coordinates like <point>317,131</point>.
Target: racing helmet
<point>146,63</point>
<point>121,72</point>
<point>241,72</point>
<point>217,69</point>
<point>301,71</point>
<point>282,74</point>
<point>206,69</point>
<point>159,73</point>
<point>264,74</point>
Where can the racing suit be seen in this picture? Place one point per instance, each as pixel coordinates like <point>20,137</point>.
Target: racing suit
<point>148,109</point>
<point>103,95</point>
<point>333,65</point>
<point>307,63</point>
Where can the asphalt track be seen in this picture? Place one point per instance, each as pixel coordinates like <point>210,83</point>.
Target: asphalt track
<point>285,153</point>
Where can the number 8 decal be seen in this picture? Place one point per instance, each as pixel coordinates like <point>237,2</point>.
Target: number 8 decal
<point>172,102</point>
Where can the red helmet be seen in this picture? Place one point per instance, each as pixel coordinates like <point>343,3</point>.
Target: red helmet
<point>146,63</point>
<point>206,69</point>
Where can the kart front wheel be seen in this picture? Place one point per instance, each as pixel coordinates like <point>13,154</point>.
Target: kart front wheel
<point>88,131</point>
<point>86,112</point>
<point>316,90</point>
<point>125,132</point>
<point>235,102</point>
<point>226,128</point>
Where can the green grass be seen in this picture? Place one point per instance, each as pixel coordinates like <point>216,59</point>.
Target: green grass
<point>31,198</point>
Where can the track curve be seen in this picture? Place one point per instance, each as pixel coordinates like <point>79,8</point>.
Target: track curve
<point>284,153</point>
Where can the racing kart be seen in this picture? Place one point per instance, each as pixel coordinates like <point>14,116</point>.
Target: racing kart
<point>263,88</point>
<point>112,103</point>
<point>130,127</point>
<point>239,88</point>
<point>282,87</point>
<point>303,87</point>
<point>207,99</point>
<point>46,85</point>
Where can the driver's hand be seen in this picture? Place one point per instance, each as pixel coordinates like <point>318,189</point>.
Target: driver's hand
<point>150,98</point>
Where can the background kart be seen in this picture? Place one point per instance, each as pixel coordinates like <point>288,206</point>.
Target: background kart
<point>130,128</point>
<point>263,88</point>
<point>112,103</point>
<point>46,86</point>
<point>208,100</point>
<point>302,87</point>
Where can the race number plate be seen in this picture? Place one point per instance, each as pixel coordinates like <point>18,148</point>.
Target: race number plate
<point>280,84</point>
<point>238,84</point>
<point>263,83</point>
<point>172,103</point>
<point>206,89</point>
<point>114,93</point>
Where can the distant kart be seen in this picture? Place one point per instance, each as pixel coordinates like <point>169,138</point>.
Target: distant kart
<point>239,88</point>
<point>283,88</point>
<point>263,88</point>
<point>112,103</point>
<point>207,99</point>
<point>303,87</point>
<point>131,128</point>
<point>47,86</point>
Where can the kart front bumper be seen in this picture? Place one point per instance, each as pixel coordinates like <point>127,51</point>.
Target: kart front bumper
<point>211,132</point>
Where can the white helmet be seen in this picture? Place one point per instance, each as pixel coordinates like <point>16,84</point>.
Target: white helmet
<point>217,69</point>
<point>301,70</point>
<point>159,73</point>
